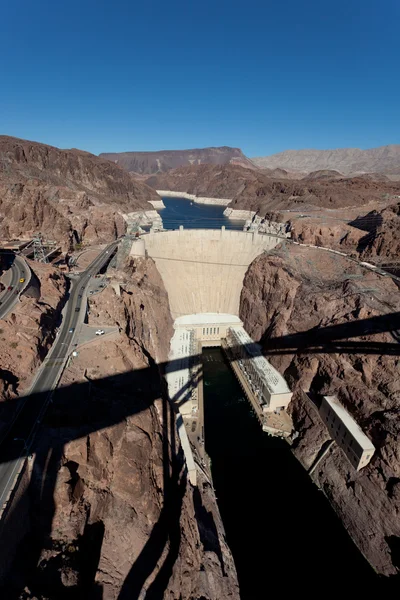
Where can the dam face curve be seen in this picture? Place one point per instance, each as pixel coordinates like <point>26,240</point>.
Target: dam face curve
<point>203,269</point>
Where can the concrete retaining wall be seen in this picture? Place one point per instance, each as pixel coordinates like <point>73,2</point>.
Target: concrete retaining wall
<point>157,204</point>
<point>203,269</point>
<point>241,215</point>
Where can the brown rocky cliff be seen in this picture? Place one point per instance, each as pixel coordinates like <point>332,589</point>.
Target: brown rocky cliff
<point>385,159</point>
<point>164,160</point>
<point>301,290</point>
<point>26,335</point>
<point>72,196</point>
<point>254,190</point>
<point>383,241</point>
<point>112,511</point>
<point>329,234</point>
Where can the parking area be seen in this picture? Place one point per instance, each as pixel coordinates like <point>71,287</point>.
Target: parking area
<point>87,334</point>
<point>97,285</point>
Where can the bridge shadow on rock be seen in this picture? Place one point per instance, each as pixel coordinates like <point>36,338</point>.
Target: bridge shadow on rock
<point>369,223</point>
<point>333,339</point>
<point>81,409</point>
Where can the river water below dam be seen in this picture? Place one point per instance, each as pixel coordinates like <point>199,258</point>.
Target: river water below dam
<point>284,535</point>
<point>180,211</point>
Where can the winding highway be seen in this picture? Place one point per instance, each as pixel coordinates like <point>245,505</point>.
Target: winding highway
<point>8,299</point>
<point>16,443</point>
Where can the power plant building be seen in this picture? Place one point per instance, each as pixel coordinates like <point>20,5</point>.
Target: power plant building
<point>346,432</point>
<point>268,385</point>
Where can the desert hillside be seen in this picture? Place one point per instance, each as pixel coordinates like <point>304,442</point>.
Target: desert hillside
<point>385,159</point>
<point>70,195</point>
<point>164,160</point>
<point>254,190</point>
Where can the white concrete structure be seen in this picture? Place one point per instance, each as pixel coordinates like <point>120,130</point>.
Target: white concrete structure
<point>268,385</point>
<point>203,269</point>
<point>142,217</point>
<point>208,328</point>
<point>181,377</point>
<point>191,333</point>
<point>193,198</point>
<point>190,464</point>
<point>266,226</point>
<point>157,204</point>
<point>138,248</point>
<point>240,215</point>
<point>346,432</point>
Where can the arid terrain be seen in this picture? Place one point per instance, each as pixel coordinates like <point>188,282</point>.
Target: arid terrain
<point>317,317</point>
<point>112,513</point>
<point>148,163</point>
<point>69,195</point>
<point>385,159</point>
<point>323,208</point>
<point>27,333</point>
<point>107,510</point>
<point>253,190</point>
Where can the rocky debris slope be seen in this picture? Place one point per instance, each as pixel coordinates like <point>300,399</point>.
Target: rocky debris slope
<point>312,313</point>
<point>26,335</point>
<point>382,244</point>
<point>159,162</point>
<point>328,233</point>
<point>385,159</point>
<point>69,195</point>
<point>113,515</point>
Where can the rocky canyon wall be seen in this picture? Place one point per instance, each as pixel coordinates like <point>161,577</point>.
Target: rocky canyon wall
<point>69,195</point>
<point>113,515</point>
<point>26,335</point>
<point>314,316</point>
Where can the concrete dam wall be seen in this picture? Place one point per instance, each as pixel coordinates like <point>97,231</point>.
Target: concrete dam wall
<point>203,269</point>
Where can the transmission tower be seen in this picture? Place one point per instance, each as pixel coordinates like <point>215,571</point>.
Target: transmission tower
<point>38,249</point>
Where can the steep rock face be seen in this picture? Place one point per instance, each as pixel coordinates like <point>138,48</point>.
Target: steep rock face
<point>70,195</point>
<point>164,160</point>
<point>113,514</point>
<point>303,305</point>
<point>385,159</point>
<point>383,241</point>
<point>333,234</point>
<point>26,335</point>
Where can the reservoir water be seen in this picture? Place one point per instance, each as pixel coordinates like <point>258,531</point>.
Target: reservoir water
<point>180,211</point>
<point>284,535</point>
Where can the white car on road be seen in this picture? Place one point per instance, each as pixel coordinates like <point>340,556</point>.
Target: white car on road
<point>100,332</point>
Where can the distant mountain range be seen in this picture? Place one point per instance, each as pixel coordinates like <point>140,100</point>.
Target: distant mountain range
<point>385,159</point>
<point>150,163</point>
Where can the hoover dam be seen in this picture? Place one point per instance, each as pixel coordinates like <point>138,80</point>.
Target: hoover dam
<point>203,269</point>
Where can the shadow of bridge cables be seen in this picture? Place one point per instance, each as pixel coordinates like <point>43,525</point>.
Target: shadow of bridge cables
<point>333,338</point>
<point>81,409</point>
<point>154,564</point>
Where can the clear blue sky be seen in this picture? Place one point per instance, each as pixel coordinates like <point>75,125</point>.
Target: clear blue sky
<point>264,75</point>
